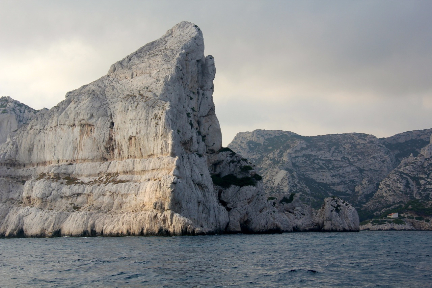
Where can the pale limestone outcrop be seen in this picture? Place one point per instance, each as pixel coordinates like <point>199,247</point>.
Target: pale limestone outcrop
<point>123,155</point>
<point>240,191</point>
<point>387,227</point>
<point>293,215</point>
<point>337,215</point>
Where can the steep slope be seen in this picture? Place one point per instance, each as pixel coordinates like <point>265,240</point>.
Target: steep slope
<point>410,182</point>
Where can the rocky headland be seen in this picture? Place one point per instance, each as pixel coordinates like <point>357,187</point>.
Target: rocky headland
<point>139,152</point>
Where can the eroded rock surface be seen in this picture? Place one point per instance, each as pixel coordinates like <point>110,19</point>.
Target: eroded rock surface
<point>123,155</point>
<point>337,215</point>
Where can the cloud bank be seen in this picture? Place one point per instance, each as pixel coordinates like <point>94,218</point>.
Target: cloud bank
<point>305,66</point>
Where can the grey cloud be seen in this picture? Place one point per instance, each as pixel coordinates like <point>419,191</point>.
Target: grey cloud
<point>312,51</point>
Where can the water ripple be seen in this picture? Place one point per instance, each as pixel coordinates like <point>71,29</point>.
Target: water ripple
<point>367,259</point>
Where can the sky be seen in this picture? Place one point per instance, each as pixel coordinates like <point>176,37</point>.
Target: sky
<point>310,67</point>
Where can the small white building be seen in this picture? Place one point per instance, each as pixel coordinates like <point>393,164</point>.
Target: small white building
<point>393,215</point>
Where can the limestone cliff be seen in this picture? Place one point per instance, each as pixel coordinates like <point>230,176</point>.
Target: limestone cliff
<point>127,154</point>
<point>337,215</point>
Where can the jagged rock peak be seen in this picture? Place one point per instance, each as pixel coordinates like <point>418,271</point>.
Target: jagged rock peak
<point>124,155</point>
<point>8,103</point>
<point>184,37</point>
<point>13,114</point>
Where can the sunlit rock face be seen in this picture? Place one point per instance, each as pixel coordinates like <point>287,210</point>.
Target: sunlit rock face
<point>123,155</point>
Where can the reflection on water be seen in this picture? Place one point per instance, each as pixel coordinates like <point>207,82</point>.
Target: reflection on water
<point>401,259</point>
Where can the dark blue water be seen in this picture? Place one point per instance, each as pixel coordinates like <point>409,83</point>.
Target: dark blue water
<point>366,259</point>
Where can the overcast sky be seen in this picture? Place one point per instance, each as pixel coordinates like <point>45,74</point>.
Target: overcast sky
<point>311,67</point>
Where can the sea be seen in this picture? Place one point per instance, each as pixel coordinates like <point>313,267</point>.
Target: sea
<point>363,259</point>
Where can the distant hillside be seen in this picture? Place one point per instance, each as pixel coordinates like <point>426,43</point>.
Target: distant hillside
<point>372,173</point>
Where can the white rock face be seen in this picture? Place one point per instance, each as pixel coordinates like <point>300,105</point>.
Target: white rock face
<point>337,215</point>
<point>123,155</point>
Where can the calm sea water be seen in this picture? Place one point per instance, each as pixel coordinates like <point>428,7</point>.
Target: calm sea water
<point>365,259</point>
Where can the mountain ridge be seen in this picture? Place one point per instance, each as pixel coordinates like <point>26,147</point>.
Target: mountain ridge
<point>349,165</point>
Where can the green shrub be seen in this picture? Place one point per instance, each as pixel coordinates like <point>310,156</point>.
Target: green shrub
<point>225,149</point>
<point>71,180</point>
<point>257,177</point>
<point>378,222</point>
<point>246,168</point>
<point>231,179</point>
<point>398,221</point>
<point>365,222</point>
<point>287,200</point>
